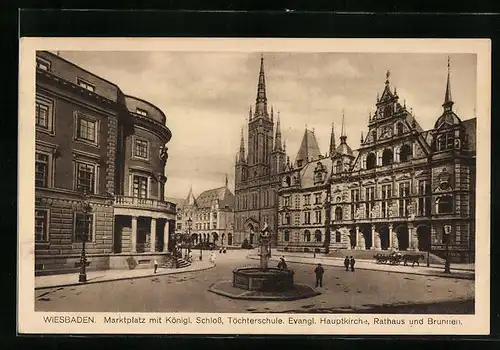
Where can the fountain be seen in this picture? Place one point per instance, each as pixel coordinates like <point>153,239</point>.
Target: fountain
<point>263,282</point>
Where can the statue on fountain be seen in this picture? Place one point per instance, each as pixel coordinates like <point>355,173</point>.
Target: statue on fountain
<point>265,247</point>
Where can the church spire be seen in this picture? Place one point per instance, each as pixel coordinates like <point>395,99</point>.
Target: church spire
<point>261,100</point>
<point>277,139</point>
<point>332,141</point>
<point>242,148</point>
<point>226,182</point>
<point>250,114</point>
<point>448,102</point>
<point>343,136</point>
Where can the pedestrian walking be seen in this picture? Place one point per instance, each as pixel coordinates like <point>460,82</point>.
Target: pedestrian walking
<point>319,271</point>
<point>352,263</point>
<point>346,263</point>
<point>156,265</point>
<point>224,251</point>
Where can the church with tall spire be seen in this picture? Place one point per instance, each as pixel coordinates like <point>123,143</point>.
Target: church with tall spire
<point>260,158</point>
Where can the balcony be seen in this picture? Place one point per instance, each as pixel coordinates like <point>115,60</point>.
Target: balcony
<point>145,204</point>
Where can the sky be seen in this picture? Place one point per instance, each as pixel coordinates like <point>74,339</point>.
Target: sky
<point>206,98</point>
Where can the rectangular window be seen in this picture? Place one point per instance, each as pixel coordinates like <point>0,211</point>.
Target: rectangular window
<point>83,227</point>
<point>85,177</point>
<point>141,148</point>
<point>86,129</point>
<point>41,225</point>
<point>296,219</point>
<point>140,189</point>
<point>42,64</point>
<point>307,218</point>
<point>141,112</point>
<point>386,194</point>
<point>41,170</point>
<point>370,198</point>
<point>85,84</point>
<point>297,201</point>
<point>286,201</point>
<point>317,198</point>
<point>42,115</point>
<point>354,196</point>
<point>424,200</point>
<point>307,199</point>
<point>318,216</point>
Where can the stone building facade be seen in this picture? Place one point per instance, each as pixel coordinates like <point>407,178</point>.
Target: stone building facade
<point>257,171</point>
<point>405,188</point>
<point>211,214</point>
<point>91,138</point>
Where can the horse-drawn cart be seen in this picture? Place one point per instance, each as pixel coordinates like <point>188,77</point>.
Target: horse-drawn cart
<point>396,258</point>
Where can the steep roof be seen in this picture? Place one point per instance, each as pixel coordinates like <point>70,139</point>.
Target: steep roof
<point>309,148</point>
<point>221,194</point>
<point>470,131</point>
<point>190,199</point>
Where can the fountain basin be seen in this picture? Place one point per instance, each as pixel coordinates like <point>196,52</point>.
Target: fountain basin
<point>257,279</point>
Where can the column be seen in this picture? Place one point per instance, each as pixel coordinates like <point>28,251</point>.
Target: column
<point>391,237</point>
<point>133,238</point>
<point>374,244</point>
<point>130,184</point>
<point>411,238</point>
<point>153,235</point>
<point>165,236</point>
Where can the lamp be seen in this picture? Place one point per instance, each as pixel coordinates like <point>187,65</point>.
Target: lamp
<point>189,222</point>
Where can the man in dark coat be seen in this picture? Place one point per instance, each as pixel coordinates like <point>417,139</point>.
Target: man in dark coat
<point>319,271</point>
<point>346,263</point>
<point>352,263</point>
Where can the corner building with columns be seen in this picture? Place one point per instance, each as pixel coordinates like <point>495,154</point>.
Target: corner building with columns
<point>405,188</point>
<point>92,138</point>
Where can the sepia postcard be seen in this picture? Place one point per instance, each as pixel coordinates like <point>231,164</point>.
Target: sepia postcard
<point>254,186</point>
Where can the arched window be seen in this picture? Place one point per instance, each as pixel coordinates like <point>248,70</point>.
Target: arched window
<point>371,160</point>
<point>338,214</point>
<point>286,236</point>
<point>387,157</point>
<point>288,181</point>
<point>444,205</point>
<point>338,167</point>
<point>317,235</point>
<point>338,236</point>
<point>307,236</point>
<point>400,129</point>
<point>405,153</point>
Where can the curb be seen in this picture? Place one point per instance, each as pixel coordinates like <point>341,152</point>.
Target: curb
<point>365,260</point>
<point>472,277</point>
<point>314,293</point>
<point>123,278</point>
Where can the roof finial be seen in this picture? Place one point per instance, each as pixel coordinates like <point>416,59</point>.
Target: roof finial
<point>342,133</point>
<point>362,138</point>
<point>226,180</point>
<point>387,75</point>
<point>448,102</point>
<point>332,141</point>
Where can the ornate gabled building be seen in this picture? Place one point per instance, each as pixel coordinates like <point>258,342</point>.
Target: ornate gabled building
<point>211,214</point>
<point>302,194</point>
<point>405,188</point>
<point>256,171</point>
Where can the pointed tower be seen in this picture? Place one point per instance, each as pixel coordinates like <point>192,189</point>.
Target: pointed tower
<point>343,157</point>
<point>309,149</point>
<point>261,100</point>
<point>190,199</point>
<point>332,141</point>
<point>278,156</point>
<point>260,132</point>
<point>449,132</point>
<point>241,167</point>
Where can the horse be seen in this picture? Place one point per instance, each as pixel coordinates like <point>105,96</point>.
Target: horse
<point>413,258</point>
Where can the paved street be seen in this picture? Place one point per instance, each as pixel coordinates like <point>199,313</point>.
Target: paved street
<point>361,291</point>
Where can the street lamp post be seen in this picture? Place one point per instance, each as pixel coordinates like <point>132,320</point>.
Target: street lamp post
<point>447,231</point>
<point>83,234</point>
<point>190,222</point>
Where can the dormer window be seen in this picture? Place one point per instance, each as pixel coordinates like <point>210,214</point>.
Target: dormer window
<point>42,64</point>
<point>85,84</point>
<point>141,112</point>
<point>299,163</point>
